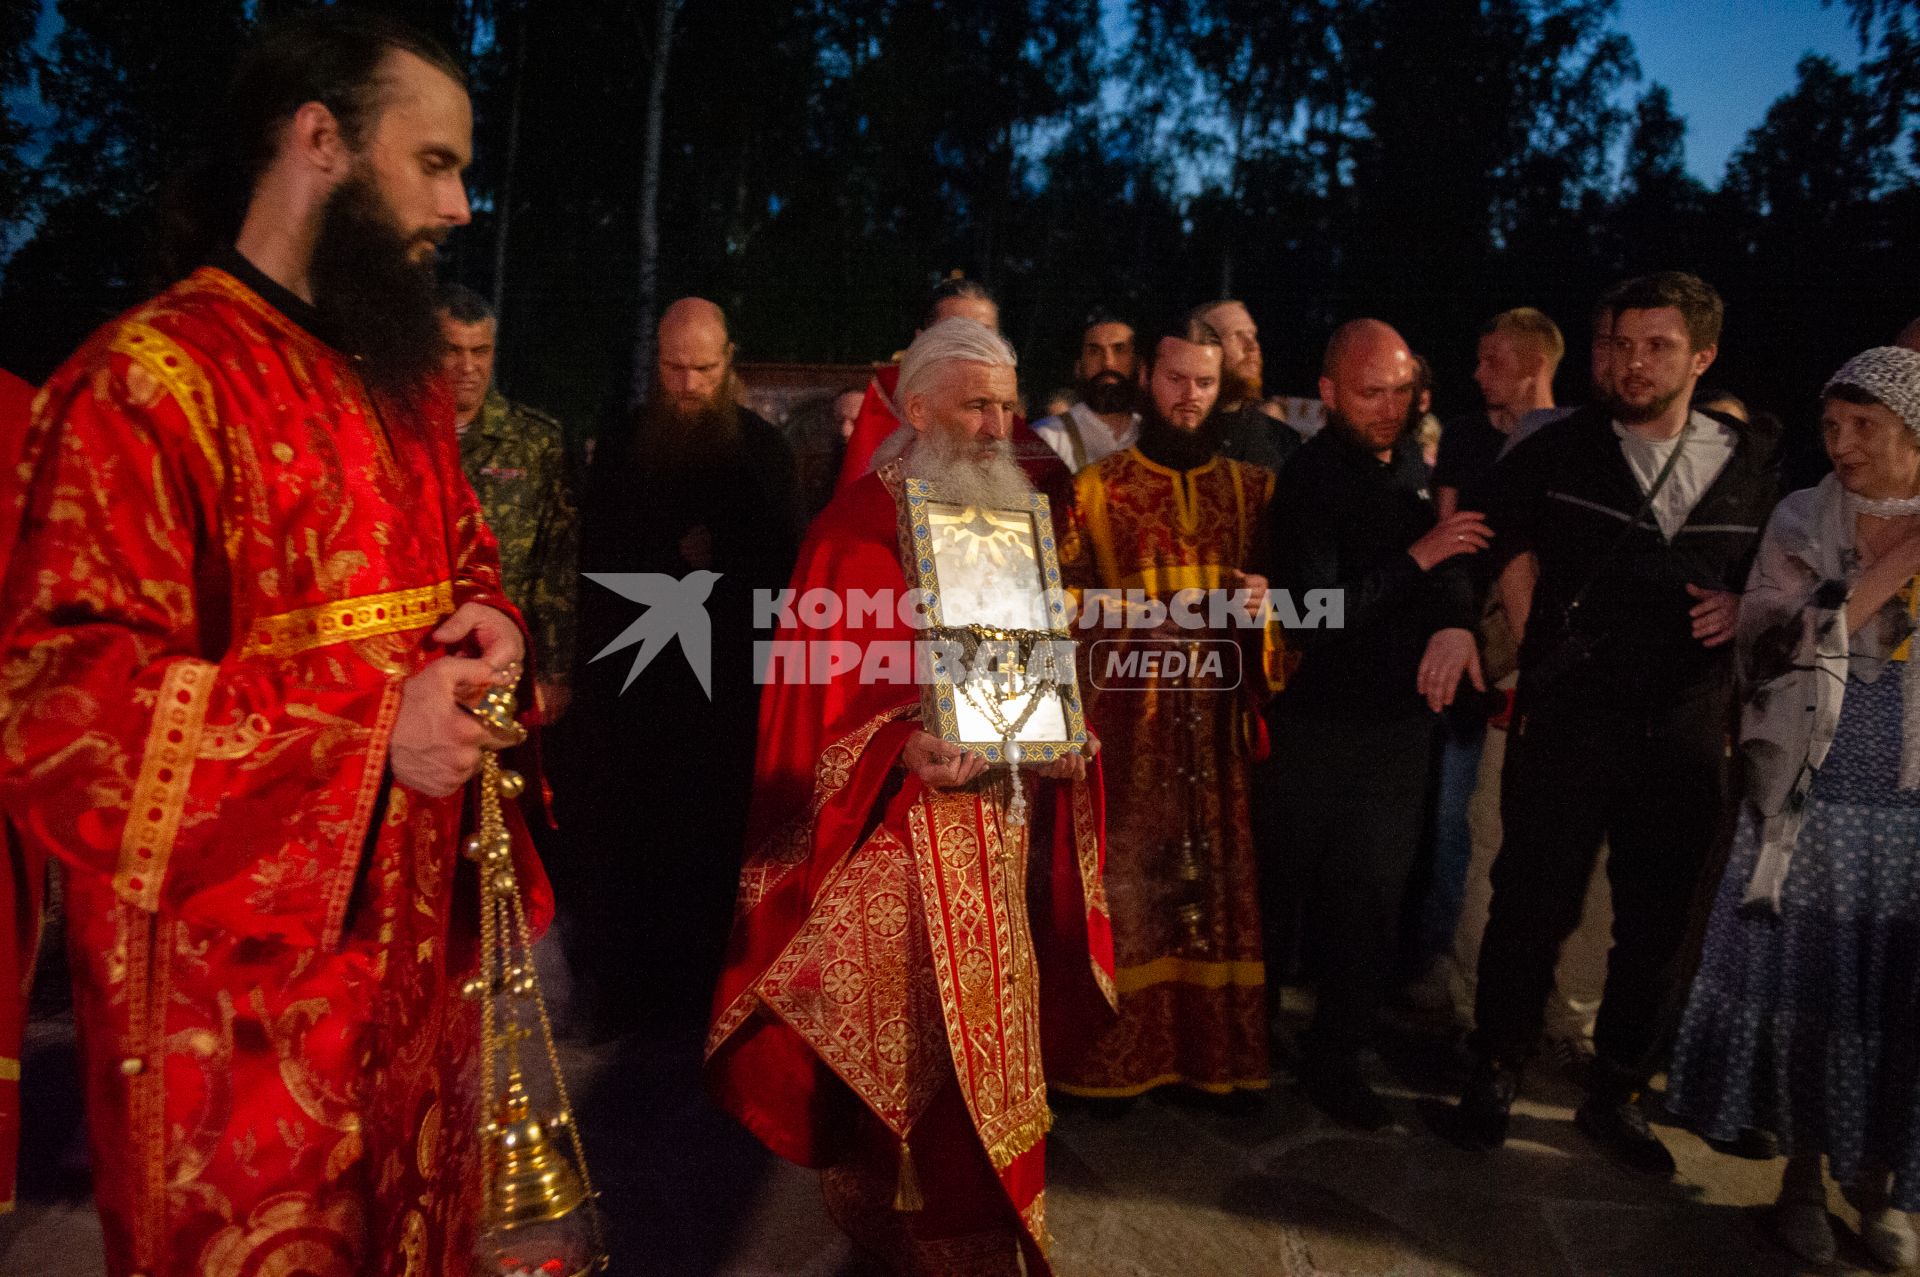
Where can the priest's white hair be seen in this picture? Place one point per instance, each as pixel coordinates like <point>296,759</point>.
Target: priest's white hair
<point>945,342</point>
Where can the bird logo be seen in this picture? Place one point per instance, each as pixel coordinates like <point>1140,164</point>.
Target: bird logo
<point>676,607</point>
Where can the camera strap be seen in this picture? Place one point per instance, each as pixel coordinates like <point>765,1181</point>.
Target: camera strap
<point>1606,559</point>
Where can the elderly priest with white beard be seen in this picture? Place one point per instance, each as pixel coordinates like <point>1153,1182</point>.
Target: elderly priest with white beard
<point>879,1013</point>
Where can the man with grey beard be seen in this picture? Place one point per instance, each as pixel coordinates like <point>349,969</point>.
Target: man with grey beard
<point>877,862</point>
<point>958,413</point>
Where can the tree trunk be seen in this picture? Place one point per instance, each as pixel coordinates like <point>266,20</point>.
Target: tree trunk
<point>667,11</point>
<point>503,199</point>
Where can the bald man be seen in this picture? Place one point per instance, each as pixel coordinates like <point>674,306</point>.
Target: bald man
<point>652,786</point>
<point>1352,735</point>
<point>695,358</point>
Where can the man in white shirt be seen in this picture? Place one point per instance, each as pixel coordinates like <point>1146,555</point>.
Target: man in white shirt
<point>1107,375</point>
<point>1624,699</point>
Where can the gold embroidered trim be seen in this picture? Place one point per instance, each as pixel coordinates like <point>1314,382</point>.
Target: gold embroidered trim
<point>160,792</point>
<point>184,379</point>
<point>1034,1216</point>
<point>1164,579</point>
<point>789,849</point>
<point>1008,1148</point>
<point>1165,1079</point>
<point>9,1069</point>
<point>214,280</point>
<point>792,845</point>
<point>1174,969</point>
<point>373,769</point>
<point>149,951</point>
<point>972,889</point>
<point>368,616</point>
<point>1093,885</point>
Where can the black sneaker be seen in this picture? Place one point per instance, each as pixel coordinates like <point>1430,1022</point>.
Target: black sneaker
<point>1752,1144</point>
<point>1620,1129</point>
<point>1480,1118</point>
<point>1334,1084</point>
<point>1572,1056</point>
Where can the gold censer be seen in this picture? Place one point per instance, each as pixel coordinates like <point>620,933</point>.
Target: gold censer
<point>542,1217</point>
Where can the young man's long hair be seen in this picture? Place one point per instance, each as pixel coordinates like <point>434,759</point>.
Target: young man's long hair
<point>375,301</point>
<point>331,56</point>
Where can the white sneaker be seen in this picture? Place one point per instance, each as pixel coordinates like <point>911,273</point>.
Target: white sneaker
<point>1889,1236</point>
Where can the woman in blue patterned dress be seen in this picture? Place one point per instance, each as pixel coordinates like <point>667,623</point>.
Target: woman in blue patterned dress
<point>1804,1019</point>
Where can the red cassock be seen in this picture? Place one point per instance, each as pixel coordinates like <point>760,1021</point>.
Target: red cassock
<point>22,876</point>
<point>1045,470</point>
<point>230,558</point>
<point>892,956</point>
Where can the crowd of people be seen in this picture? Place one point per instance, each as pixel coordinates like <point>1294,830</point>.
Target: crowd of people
<point>275,530</point>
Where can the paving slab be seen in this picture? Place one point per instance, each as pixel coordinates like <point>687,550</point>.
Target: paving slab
<point>1176,1186</point>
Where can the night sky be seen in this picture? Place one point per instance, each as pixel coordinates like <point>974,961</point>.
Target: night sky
<point>1725,61</point>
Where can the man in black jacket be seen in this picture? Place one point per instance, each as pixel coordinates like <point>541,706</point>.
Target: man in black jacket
<point>1644,515</point>
<point>1352,739</point>
<point>1251,435</point>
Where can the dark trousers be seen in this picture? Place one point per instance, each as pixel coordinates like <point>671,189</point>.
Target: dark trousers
<point>1653,791</point>
<point>1352,799</point>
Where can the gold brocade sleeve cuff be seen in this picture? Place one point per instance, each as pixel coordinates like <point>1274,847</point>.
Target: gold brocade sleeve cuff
<point>166,772</point>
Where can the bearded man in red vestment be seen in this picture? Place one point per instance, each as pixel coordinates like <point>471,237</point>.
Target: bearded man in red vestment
<point>879,416</point>
<point>23,871</point>
<point>1174,521</point>
<point>879,1013</point>
<point>249,601</point>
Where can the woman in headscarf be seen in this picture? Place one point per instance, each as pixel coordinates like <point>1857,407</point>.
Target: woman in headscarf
<point>1804,1019</point>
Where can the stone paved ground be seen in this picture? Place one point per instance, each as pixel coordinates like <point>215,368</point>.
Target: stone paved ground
<point>1170,1189</point>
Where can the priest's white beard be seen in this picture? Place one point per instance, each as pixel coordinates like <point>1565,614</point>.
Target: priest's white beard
<point>965,470</point>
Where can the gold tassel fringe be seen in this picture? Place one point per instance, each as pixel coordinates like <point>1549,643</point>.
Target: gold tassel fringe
<point>906,1192</point>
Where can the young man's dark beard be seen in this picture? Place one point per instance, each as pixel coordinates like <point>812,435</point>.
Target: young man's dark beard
<point>1109,392</point>
<point>376,302</point>
<point>1628,415</point>
<point>1167,444</point>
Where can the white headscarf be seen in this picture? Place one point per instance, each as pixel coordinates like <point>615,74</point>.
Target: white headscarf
<point>1797,654</point>
<point>1890,374</point>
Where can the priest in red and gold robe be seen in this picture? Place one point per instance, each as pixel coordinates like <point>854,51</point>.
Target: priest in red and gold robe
<point>23,869</point>
<point>880,1012</point>
<point>879,416</point>
<point>249,600</point>
<point>1174,692</point>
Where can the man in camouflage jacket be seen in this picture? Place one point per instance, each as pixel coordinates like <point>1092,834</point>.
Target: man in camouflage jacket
<point>515,457</point>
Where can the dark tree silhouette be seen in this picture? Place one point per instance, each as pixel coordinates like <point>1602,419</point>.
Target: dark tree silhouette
<point>820,164</point>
